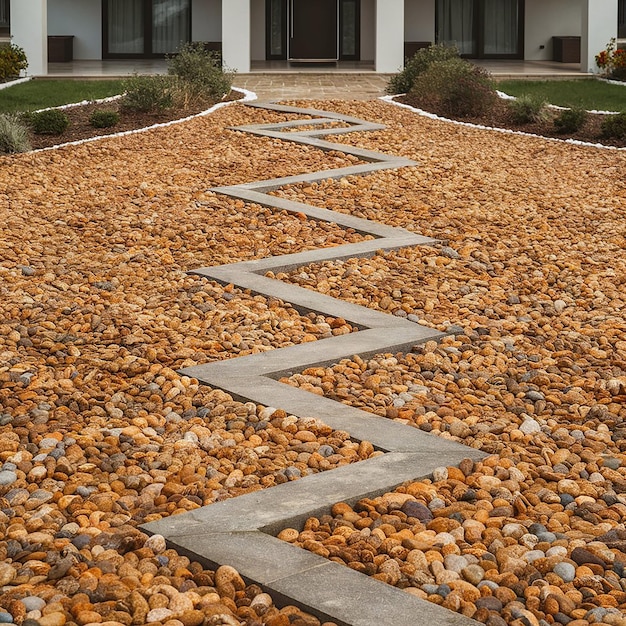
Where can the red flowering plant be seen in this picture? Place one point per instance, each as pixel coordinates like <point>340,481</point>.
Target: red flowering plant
<point>612,61</point>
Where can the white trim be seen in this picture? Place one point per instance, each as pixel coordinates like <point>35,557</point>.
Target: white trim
<point>17,81</point>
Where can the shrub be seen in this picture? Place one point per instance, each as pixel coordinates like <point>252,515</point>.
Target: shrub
<point>200,74</point>
<point>528,109</point>
<point>454,87</point>
<point>147,94</point>
<point>614,126</point>
<point>13,134</point>
<point>612,61</point>
<point>418,64</point>
<point>12,62</point>
<point>570,120</point>
<point>49,122</point>
<point>102,118</point>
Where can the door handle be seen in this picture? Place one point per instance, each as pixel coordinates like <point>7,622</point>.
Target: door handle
<point>291,19</point>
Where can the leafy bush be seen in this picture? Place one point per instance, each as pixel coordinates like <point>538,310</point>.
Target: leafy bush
<point>612,61</point>
<point>12,61</point>
<point>418,64</point>
<point>454,87</point>
<point>13,134</point>
<point>147,94</point>
<point>614,126</point>
<point>102,118</point>
<point>200,74</point>
<point>49,122</point>
<point>570,120</point>
<point>528,109</point>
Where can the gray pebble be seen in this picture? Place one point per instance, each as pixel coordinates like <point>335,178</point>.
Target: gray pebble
<point>7,477</point>
<point>566,571</point>
<point>611,462</point>
<point>293,472</point>
<point>33,603</point>
<point>436,503</point>
<point>534,396</point>
<point>325,450</point>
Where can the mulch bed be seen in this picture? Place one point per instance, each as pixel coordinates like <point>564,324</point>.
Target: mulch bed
<point>500,117</point>
<point>80,128</point>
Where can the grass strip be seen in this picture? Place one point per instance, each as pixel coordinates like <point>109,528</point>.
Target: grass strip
<point>43,93</point>
<point>590,94</point>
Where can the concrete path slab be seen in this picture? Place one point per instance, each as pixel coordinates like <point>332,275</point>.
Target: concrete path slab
<point>240,531</point>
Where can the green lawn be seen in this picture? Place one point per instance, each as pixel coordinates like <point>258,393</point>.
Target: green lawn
<point>42,93</point>
<point>591,94</point>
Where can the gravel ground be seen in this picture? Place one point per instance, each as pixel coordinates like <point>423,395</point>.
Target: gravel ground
<point>99,434</point>
<point>533,271</point>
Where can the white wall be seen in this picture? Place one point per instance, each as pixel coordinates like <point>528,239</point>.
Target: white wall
<point>83,19</point>
<point>548,18</point>
<point>206,20</point>
<point>419,20</point>
<point>257,30</point>
<point>29,29</point>
<point>599,23</point>
<point>236,35</point>
<point>389,35</point>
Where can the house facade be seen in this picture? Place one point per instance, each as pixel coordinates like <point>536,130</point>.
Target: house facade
<point>381,32</point>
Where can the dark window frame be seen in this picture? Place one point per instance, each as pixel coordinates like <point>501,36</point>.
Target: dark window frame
<point>479,34</point>
<point>5,27</point>
<point>268,35</point>
<point>621,19</point>
<point>147,33</point>
<point>357,34</point>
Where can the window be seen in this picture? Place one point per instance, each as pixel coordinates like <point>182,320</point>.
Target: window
<point>349,20</point>
<point>621,19</point>
<point>145,27</point>
<point>482,28</point>
<point>276,30</point>
<point>5,17</point>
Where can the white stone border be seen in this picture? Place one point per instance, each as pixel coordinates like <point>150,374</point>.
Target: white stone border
<point>508,131</point>
<point>17,81</point>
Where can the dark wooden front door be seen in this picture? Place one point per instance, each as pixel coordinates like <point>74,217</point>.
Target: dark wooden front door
<point>313,30</point>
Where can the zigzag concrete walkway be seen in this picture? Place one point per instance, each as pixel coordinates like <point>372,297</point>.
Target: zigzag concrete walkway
<point>241,531</point>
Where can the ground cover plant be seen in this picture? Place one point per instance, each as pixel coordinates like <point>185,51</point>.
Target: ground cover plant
<point>13,134</point>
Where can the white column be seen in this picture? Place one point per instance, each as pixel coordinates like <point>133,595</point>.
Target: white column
<point>599,25</point>
<point>29,30</point>
<point>389,35</point>
<point>236,35</point>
